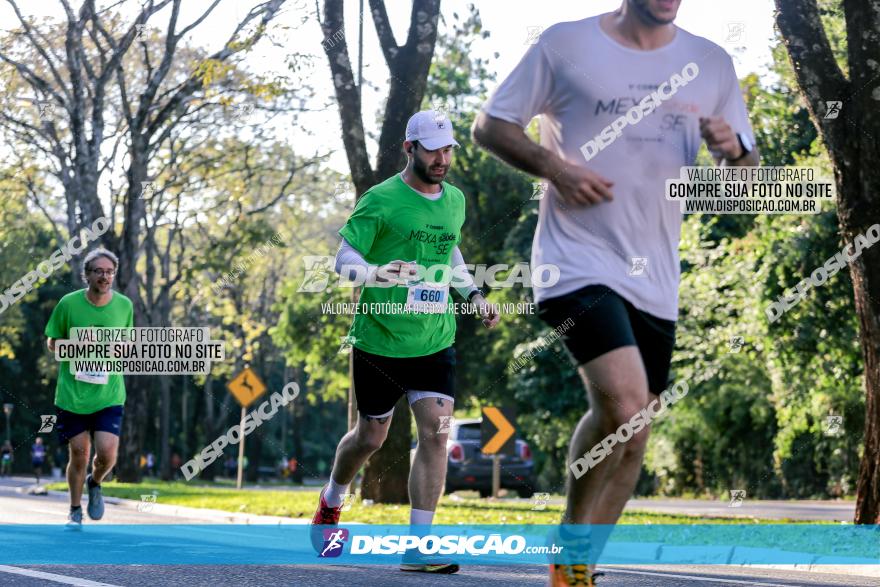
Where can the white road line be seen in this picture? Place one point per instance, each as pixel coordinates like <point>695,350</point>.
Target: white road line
<point>699,578</point>
<point>53,577</point>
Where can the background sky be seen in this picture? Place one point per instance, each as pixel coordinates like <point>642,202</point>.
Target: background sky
<point>509,22</point>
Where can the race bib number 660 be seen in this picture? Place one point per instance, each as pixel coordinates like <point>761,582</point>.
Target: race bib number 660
<point>427,298</point>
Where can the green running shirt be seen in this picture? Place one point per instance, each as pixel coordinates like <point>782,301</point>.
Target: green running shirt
<point>75,311</point>
<point>392,221</point>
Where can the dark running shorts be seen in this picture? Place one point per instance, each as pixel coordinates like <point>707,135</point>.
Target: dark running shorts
<point>70,424</point>
<point>603,321</point>
<point>379,381</point>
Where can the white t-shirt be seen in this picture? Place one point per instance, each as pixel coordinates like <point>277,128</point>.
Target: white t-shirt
<point>581,80</point>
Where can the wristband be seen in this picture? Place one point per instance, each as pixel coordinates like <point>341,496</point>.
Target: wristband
<point>474,293</point>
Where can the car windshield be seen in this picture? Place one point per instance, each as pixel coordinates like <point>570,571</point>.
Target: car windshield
<point>469,432</point>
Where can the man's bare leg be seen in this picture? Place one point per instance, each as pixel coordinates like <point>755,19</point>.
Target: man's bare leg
<point>617,388</point>
<point>106,449</point>
<point>427,478</point>
<point>80,447</point>
<point>357,445</point>
<point>427,475</point>
<point>621,483</point>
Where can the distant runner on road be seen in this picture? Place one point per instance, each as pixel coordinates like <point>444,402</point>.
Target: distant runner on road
<point>89,404</point>
<point>412,218</point>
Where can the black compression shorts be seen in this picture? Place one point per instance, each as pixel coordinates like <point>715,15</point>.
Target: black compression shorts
<point>603,321</point>
<point>379,381</point>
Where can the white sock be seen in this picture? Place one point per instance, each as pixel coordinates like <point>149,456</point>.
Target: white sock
<point>335,492</point>
<point>420,517</point>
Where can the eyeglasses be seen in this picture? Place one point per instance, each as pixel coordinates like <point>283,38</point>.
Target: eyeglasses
<point>104,272</point>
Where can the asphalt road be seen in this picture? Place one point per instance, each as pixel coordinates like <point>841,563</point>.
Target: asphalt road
<point>828,511</point>
<point>20,508</point>
<point>375,576</point>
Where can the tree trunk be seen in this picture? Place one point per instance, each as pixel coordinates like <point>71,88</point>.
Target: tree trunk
<point>185,427</point>
<point>297,428</point>
<point>253,449</point>
<point>133,434</point>
<point>387,471</point>
<point>854,156</point>
<point>210,428</point>
<point>386,474</point>
<point>165,423</point>
<point>866,282</point>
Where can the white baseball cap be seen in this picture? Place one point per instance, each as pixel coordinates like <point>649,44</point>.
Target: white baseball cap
<point>431,128</point>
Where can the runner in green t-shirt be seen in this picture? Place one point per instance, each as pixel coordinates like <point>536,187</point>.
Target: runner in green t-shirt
<point>403,332</point>
<point>89,403</point>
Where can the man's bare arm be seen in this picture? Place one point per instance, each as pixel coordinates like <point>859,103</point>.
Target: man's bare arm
<point>753,159</point>
<point>50,344</point>
<point>577,185</point>
<point>724,144</point>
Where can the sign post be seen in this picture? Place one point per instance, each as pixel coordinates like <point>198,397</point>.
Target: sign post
<point>241,450</point>
<point>497,438</point>
<point>246,387</point>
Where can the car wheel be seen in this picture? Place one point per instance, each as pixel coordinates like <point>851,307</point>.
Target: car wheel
<point>485,492</point>
<point>525,492</point>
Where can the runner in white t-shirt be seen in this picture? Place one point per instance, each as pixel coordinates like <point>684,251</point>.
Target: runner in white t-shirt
<point>604,220</point>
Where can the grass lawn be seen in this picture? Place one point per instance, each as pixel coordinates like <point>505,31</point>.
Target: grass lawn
<point>301,504</point>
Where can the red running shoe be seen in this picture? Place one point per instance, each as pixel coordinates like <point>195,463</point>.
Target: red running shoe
<point>324,517</point>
